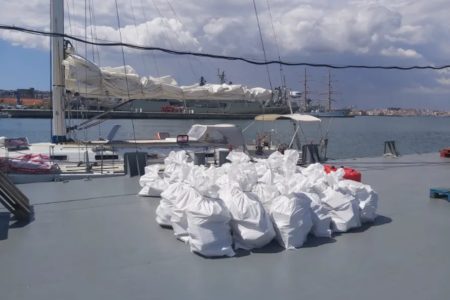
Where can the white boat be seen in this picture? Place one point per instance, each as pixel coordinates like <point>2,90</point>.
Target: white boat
<point>123,88</point>
<point>92,158</point>
<point>264,144</point>
<point>4,114</point>
<point>101,157</point>
<point>334,113</point>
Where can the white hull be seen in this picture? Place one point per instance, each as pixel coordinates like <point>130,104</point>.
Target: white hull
<point>338,113</point>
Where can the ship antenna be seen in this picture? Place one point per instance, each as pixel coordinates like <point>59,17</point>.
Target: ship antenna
<point>221,75</point>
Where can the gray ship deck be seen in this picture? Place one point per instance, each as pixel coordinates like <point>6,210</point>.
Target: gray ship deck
<point>97,240</point>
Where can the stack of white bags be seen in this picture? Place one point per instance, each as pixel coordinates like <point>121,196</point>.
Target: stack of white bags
<point>245,205</point>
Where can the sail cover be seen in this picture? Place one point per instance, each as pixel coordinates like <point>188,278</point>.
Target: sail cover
<point>87,79</point>
<point>225,134</point>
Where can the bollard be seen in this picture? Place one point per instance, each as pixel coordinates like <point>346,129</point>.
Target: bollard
<point>310,154</point>
<point>390,149</point>
<point>134,163</point>
<point>223,157</point>
<point>199,159</point>
<point>323,147</point>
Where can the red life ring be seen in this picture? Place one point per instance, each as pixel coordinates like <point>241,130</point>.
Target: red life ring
<point>349,173</point>
<point>445,152</point>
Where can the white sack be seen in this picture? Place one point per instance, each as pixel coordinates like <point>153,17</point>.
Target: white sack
<point>250,223</point>
<point>366,196</point>
<point>209,228</point>
<point>262,167</point>
<point>151,172</point>
<point>152,182</point>
<point>164,210</point>
<point>290,159</point>
<point>266,194</point>
<point>333,178</point>
<point>204,180</point>
<point>172,164</point>
<point>164,213</point>
<point>153,189</point>
<point>243,175</point>
<point>320,215</point>
<point>185,195</point>
<point>237,157</point>
<point>344,210</point>
<point>292,220</point>
<point>275,161</point>
<point>314,171</point>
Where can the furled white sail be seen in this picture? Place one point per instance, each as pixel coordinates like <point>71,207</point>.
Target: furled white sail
<point>87,79</point>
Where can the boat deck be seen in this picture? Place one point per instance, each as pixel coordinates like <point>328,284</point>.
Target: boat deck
<point>96,239</point>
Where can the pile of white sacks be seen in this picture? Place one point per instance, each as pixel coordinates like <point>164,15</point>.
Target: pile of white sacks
<point>246,204</point>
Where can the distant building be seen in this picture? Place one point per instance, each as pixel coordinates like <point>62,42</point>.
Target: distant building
<point>25,102</point>
<point>26,93</point>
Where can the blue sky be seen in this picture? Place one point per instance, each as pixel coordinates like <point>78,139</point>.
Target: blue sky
<point>371,32</point>
<point>23,67</point>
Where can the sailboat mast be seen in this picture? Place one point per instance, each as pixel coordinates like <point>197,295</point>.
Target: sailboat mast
<point>305,94</point>
<point>57,48</point>
<point>329,91</point>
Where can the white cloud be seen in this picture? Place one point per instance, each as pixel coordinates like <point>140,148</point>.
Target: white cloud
<point>400,52</point>
<point>340,32</point>
<point>159,32</point>
<point>428,90</point>
<point>230,36</point>
<point>25,40</point>
<point>444,81</point>
<point>325,26</point>
<point>357,29</point>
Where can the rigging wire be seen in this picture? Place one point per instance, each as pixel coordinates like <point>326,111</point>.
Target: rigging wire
<point>282,77</point>
<point>93,21</point>
<point>68,15</point>
<point>164,20</point>
<point>69,122</point>
<point>94,48</point>
<point>148,33</point>
<point>85,55</point>
<point>224,57</point>
<point>180,40</point>
<point>262,44</point>
<point>144,61</point>
<point>125,71</point>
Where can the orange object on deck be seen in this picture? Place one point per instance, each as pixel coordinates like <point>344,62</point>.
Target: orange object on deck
<point>349,173</point>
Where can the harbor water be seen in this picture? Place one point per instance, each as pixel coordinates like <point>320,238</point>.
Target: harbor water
<point>348,137</point>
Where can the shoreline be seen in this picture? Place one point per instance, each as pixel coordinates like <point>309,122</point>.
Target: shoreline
<point>83,114</point>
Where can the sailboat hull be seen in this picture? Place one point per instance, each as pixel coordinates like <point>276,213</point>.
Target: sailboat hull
<point>338,113</point>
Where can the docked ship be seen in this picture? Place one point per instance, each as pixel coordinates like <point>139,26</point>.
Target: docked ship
<point>334,113</point>
<point>164,95</point>
<point>318,110</point>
